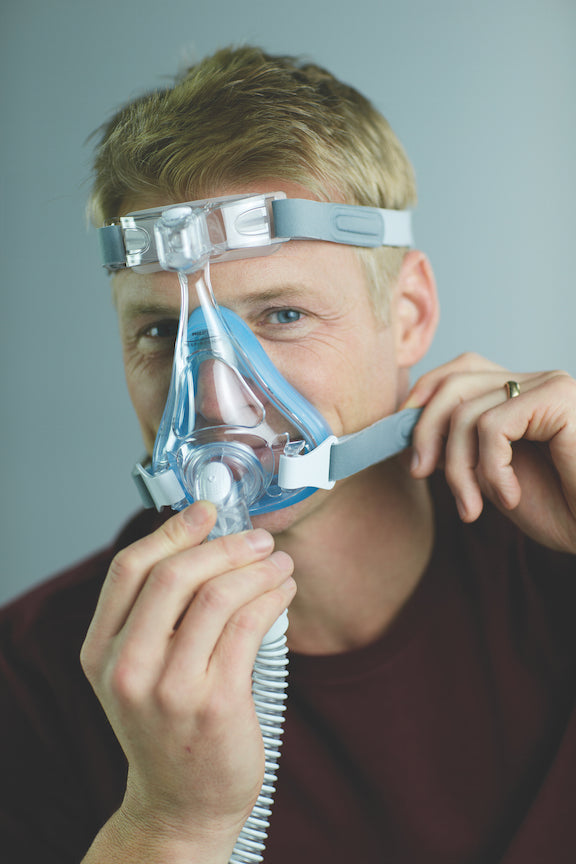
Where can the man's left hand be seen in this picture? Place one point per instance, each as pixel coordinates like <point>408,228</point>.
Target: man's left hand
<point>518,452</point>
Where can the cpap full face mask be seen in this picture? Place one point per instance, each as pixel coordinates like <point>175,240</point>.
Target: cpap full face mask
<point>233,429</point>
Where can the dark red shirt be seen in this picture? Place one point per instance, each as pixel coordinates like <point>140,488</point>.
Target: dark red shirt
<point>451,740</point>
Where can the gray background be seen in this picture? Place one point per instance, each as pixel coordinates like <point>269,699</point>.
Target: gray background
<point>481,93</point>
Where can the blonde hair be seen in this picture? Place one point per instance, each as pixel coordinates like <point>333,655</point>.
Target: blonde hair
<point>242,115</point>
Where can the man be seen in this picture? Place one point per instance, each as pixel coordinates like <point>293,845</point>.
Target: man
<point>433,652</point>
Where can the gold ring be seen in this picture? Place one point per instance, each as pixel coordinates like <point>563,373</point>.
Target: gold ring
<point>512,389</point>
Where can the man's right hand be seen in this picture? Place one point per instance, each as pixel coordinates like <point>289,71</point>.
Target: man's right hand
<point>169,654</point>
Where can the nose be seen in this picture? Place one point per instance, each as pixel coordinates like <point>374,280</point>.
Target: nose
<point>224,397</point>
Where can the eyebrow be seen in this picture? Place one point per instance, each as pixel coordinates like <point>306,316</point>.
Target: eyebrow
<point>134,307</point>
<point>271,295</point>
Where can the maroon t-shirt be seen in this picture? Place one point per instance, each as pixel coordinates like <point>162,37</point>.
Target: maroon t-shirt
<point>451,740</point>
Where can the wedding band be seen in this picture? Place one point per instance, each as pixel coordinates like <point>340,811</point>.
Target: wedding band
<point>512,389</point>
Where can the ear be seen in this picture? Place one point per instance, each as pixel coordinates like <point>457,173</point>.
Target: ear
<point>415,309</point>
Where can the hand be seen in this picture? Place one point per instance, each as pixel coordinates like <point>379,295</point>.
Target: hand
<point>169,654</point>
<point>520,453</point>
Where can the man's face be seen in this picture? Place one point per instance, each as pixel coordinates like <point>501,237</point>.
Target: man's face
<point>309,306</point>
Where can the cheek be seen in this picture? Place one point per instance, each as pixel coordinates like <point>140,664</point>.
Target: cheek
<point>148,388</point>
<point>377,385</point>
<point>305,367</point>
<point>351,388</point>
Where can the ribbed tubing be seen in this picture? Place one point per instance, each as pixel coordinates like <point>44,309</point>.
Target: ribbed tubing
<point>269,685</point>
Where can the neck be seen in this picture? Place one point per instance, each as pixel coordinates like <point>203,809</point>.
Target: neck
<point>358,558</point>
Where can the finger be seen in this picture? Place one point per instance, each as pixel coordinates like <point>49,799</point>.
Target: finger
<point>454,417</point>
<point>236,650</point>
<point>222,694</point>
<point>217,604</point>
<point>212,580</point>
<point>544,412</point>
<point>139,650</point>
<point>433,427</point>
<point>131,566</point>
<point>173,581</point>
<point>142,646</point>
<point>461,455</point>
<point>466,364</point>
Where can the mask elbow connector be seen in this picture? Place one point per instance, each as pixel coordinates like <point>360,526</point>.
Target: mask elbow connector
<point>215,483</point>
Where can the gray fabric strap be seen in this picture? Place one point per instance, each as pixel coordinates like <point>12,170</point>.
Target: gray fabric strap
<point>341,223</point>
<point>385,438</point>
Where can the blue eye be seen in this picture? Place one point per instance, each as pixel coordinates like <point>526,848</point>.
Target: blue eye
<point>287,316</point>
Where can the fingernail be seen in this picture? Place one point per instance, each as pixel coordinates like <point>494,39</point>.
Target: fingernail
<point>289,585</point>
<point>411,402</point>
<point>415,460</point>
<point>283,561</point>
<point>462,511</point>
<point>259,540</point>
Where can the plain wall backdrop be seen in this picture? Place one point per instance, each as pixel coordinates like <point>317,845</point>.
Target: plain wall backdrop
<point>483,96</point>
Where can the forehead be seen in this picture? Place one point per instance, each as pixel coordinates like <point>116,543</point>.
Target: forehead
<point>300,271</point>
